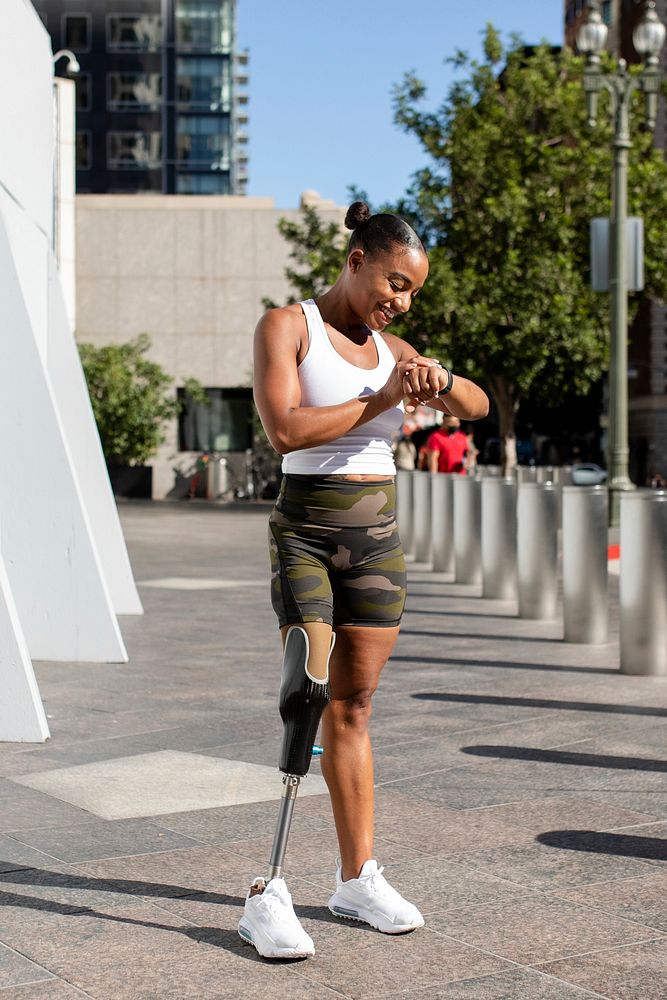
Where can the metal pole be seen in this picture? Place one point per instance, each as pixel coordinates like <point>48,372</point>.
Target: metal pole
<point>585,609</point>
<point>619,480</point>
<point>537,550</point>
<point>499,538</point>
<point>422,515</point>
<point>287,800</point>
<point>404,507</point>
<point>467,529</point>
<point>442,521</point>
<point>643,583</point>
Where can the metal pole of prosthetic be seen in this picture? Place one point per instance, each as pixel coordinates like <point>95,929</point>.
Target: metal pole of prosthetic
<point>290,788</point>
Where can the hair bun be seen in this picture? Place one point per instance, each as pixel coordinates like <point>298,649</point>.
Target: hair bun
<point>357,213</point>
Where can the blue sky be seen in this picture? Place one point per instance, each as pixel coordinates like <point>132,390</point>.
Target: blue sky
<point>321,74</point>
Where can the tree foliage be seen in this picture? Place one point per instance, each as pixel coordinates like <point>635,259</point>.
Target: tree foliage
<point>504,205</point>
<point>317,254</point>
<point>132,399</point>
<point>515,177</point>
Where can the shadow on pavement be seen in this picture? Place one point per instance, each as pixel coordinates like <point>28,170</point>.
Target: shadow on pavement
<point>624,845</point>
<point>218,936</point>
<point>504,664</point>
<point>567,706</point>
<point>566,757</point>
<point>478,636</point>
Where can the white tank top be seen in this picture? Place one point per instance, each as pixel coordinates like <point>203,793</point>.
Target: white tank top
<point>326,379</point>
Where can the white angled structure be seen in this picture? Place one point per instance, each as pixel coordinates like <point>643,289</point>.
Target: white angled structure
<point>64,571</point>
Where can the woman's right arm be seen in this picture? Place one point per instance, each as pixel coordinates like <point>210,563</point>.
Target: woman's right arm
<point>288,425</point>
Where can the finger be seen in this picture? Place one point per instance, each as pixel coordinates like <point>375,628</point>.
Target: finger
<point>423,362</point>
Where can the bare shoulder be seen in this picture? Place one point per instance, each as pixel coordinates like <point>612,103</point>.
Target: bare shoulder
<point>284,324</point>
<point>401,350</point>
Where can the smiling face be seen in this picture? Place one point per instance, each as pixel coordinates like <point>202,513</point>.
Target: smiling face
<point>382,286</point>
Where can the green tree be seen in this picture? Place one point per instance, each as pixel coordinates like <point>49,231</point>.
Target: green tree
<point>317,254</point>
<point>515,175</point>
<point>132,399</point>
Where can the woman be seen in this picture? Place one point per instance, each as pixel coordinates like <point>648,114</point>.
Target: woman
<point>329,387</point>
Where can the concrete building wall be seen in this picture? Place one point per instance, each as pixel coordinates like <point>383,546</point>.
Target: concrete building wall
<point>189,271</point>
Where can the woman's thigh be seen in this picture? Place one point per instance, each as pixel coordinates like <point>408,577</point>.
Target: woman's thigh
<point>358,658</point>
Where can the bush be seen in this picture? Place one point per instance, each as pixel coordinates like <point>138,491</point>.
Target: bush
<point>132,399</point>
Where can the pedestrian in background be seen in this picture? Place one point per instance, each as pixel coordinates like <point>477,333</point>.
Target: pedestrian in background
<point>448,447</point>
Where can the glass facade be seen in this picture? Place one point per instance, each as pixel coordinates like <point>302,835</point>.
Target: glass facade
<point>204,25</point>
<point>134,150</point>
<point>83,91</point>
<point>204,83</point>
<point>83,151</point>
<point>76,32</point>
<point>134,91</point>
<point>204,142</point>
<point>203,183</point>
<point>222,424</point>
<point>134,32</point>
<point>159,93</point>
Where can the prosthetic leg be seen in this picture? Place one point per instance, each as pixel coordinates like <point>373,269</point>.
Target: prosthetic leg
<point>269,922</point>
<point>303,698</point>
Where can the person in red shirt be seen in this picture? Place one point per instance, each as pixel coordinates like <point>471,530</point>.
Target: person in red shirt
<point>448,447</point>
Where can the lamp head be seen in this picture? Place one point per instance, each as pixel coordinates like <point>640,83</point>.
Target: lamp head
<point>649,35</point>
<point>592,35</point>
<point>73,65</point>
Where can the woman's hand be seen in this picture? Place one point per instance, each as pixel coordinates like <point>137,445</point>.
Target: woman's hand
<point>394,389</point>
<point>423,383</point>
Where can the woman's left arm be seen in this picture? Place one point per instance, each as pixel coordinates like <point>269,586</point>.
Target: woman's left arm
<point>464,399</point>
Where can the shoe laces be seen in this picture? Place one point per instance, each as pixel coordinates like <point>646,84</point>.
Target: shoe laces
<point>376,882</point>
<point>276,906</point>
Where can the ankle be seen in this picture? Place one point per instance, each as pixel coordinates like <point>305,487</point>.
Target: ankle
<point>348,873</point>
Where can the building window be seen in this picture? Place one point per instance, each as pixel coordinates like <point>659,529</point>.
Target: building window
<point>606,12</point>
<point>204,83</point>
<point>82,86</point>
<point>134,91</point>
<point>204,25</point>
<point>134,32</point>
<point>222,424</point>
<point>134,150</point>
<point>203,141</point>
<point>203,184</point>
<point>76,32</point>
<point>83,151</point>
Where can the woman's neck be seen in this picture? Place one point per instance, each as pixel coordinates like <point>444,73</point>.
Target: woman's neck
<point>335,310</point>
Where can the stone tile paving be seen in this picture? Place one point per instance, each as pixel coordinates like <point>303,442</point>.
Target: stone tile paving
<point>521,800</point>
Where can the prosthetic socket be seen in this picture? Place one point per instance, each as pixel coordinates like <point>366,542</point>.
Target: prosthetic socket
<point>303,698</point>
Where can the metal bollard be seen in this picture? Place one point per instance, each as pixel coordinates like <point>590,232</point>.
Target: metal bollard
<point>546,474</point>
<point>585,539</point>
<point>537,550</point>
<point>442,521</point>
<point>421,507</point>
<point>643,583</point>
<point>467,529</point>
<point>526,473</point>
<point>404,508</point>
<point>499,538</point>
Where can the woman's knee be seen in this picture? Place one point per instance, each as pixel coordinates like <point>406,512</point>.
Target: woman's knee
<point>354,711</point>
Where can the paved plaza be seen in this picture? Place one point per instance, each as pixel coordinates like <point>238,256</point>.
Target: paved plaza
<point>521,801</point>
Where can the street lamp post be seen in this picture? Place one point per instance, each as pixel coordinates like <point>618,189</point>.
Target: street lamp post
<point>648,38</point>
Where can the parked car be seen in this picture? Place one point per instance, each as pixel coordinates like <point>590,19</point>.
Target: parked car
<point>588,474</point>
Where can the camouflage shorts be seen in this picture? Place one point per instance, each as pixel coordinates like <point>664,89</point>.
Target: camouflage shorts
<point>336,555</point>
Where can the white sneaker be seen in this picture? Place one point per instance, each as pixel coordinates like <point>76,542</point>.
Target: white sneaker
<point>372,900</point>
<point>271,925</point>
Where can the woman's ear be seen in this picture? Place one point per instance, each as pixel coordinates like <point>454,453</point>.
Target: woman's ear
<point>355,260</point>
